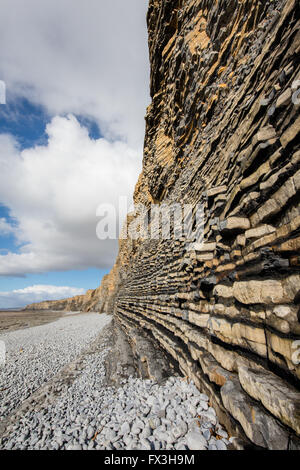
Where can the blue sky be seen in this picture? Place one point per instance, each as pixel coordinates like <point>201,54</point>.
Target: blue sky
<point>27,121</point>
<point>7,240</point>
<point>24,120</point>
<point>71,138</point>
<point>86,279</point>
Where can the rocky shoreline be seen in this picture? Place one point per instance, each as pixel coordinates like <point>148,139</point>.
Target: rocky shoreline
<point>78,407</point>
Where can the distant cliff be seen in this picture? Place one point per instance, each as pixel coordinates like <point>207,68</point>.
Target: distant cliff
<point>84,302</point>
<point>223,130</point>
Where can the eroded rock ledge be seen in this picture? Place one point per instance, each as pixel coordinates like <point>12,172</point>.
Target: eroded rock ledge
<point>222,129</point>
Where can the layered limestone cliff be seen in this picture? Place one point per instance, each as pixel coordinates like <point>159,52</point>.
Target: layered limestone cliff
<point>85,303</point>
<point>222,130</point>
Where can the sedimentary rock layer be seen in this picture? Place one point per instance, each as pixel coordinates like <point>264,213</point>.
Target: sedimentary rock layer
<point>222,130</point>
<point>84,303</point>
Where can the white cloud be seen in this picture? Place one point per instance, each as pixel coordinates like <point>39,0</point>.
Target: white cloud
<point>81,57</point>
<point>53,192</point>
<point>37,293</point>
<point>74,57</point>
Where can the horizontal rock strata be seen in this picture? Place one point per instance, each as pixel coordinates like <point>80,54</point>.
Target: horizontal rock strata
<point>85,303</point>
<point>222,130</point>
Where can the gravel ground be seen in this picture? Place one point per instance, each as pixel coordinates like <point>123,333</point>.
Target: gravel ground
<point>34,355</point>
<point>76,409</point>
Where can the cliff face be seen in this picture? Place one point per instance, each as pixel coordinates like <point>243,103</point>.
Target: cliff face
<point>222,131</point>
<point>85,303</point>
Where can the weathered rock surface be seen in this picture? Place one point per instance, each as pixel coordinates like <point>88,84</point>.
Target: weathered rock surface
<point>223,130</point>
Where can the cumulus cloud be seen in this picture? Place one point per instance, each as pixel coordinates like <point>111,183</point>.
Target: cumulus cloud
<point>37,293</point>
<point>81,57</point>
<point>53,192</point>
<point>73,57</point>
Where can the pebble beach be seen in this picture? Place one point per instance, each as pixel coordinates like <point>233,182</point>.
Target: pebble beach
<point>55,395</point>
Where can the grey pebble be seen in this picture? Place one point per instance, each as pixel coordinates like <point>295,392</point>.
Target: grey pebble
<point>140,414</point>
